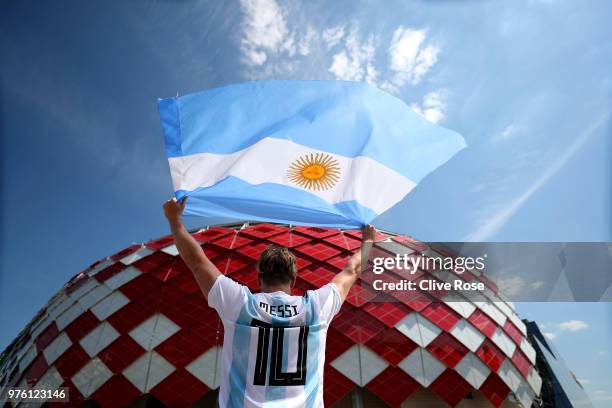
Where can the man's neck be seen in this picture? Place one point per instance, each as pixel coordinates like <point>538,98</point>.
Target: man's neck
<point>276,288</point>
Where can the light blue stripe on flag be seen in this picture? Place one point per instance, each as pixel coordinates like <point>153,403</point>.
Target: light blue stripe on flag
<point>329,153</point>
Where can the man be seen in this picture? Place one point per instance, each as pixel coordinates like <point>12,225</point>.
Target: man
<point>274,343</point>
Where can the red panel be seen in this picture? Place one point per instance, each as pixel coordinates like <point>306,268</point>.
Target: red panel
<point>339,261</point>
<point>47,336</point>
<point>151,261</point>
<point>447,349</point>
<point>492,356</point>
<point>254,250</point>
<point>302,260</point>
<point>212,251</point>
<point>212,233</point>
<point>440,314</point>
<point>392,345</point>
<point>359,295</point>
<point>451,387</point>
<point>319,251</point>
<point>82,325</point>
<point>186,282</point>
<point>188,310</point>
<point>514,333</point>
<point>520,362</point>
<point>233,241</point>
<point>263,230</point>
<point>184,347</point>
<point>344,241</point>
<point>483,323</point>
<point>301,286</point>
<point>169,269</point>
<point>380,236</point>
<point>230,262</point>
<point>357,325</point>
<point>131,315</point>
<point>336,386</point>
<point>109,272</point>
<point>36,369</point>
<point>411,243</point>
<point>162,296</point>
<point>125,252</point>
<point>117,392</point>
<point>247,276</point>
<point>76,283</point>
<point>495,390</point>
<point>71,361</point>
<point>160,243</point>
<point>390,312</point>
<point>317,274</point>
<point>337,343</point>
<point>209,329</point>
<point>289,239</point>
<point>435,293</point>
<point>139,286</point>
<point>316,232</point>
<point>121,353</point>
<point>191,389</point>
<point>393,386</point>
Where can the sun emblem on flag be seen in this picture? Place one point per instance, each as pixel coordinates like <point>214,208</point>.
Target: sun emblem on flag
<point>315,171</point>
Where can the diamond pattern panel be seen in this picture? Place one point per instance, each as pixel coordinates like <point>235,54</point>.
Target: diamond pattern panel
<point>137,322</point>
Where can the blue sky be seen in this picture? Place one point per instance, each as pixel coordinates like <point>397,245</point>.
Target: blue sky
<point>528,84</point>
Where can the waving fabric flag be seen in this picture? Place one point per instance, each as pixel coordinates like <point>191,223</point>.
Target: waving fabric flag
<point>328,153</point>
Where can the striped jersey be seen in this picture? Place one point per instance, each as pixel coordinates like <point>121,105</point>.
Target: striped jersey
<point>273,346</point>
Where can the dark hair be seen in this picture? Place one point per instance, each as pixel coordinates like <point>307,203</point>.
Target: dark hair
<point>276,265</point>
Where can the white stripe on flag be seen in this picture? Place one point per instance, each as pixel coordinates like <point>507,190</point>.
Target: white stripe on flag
<point>362,179</point>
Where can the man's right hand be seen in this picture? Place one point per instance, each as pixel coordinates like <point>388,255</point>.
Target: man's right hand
<point>368,233</point>
<point>173,209</point>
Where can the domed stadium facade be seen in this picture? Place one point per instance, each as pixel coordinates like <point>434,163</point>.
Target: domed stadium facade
<point>133,329</point>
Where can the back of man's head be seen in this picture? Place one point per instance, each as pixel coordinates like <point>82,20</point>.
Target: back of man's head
<point>276,266</point>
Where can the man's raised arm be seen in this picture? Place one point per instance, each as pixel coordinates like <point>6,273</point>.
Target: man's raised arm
<point>345,279</point>
<point>189,249</point>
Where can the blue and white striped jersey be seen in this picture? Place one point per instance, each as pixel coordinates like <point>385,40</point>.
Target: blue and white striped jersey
<point>274,345</point>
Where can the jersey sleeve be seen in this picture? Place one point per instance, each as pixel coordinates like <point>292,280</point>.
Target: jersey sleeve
<point>328,301</point>
<point>227,297</point>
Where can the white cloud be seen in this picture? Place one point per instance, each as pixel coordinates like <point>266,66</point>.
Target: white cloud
<point>550,335</point>
<point>537,285</point>
<point>356,60</point>
<point>573,325</point>
<point>306,43</point>
<point>410,58</point>
<point>432,107</point>
<point>511,286</point>
<point>264,29</point>
<point>333,35</point>
<point>583,381</point>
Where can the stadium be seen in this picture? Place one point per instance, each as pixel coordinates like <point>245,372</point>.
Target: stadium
<point>133,329</point>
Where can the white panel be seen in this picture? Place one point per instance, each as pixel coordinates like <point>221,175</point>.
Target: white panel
<point>467,334</point>
<point>492,311</point>
<point>509,375</point>
<point>504,342</point>
<point>153,331</point>
<point>91,377</point>
<point>528,349</point>
<point>27,358</point>
<point>518,323</point>
<point>122,277</point>
<point>473,370</point>
<point>69,315</point>
<point>60,306</point>
<point>148,371</point>
<point>94,296</point>
<point>359,364</point>
<point>171,250</point>
<point>109,305</point>
<point>525,395</point>
<point>51,380</point>
<point>203,367</point>
<point>102,265</point>
<point>418,329</point>
<point>99,338</point>
<point>57,347</point>
<point>534,379</point>
<point>41,325</point>
<point>83,289</point>
<point>422,366</point>
<point>505,309</point>
<point>465,309</point>
<point>141,253</point>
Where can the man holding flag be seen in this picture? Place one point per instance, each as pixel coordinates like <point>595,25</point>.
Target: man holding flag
<point>322,153</point>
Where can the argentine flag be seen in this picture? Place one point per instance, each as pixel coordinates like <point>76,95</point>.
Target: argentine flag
<point>327,153</point>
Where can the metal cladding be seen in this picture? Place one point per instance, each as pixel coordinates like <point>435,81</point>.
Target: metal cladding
<point>136,323</point>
